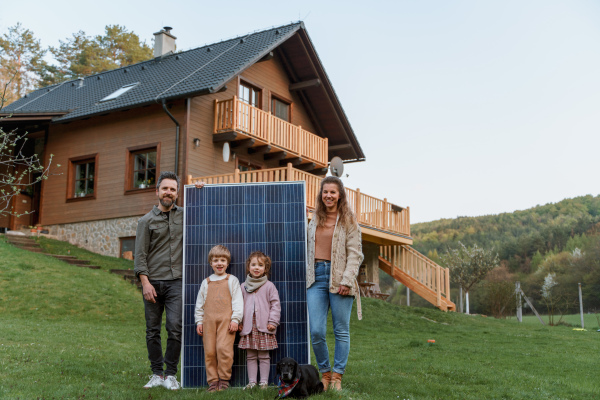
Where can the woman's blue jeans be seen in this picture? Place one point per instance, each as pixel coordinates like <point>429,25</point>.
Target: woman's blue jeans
<point>319,301</point>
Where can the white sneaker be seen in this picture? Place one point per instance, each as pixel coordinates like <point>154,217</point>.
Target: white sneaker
<point>250,385</point>
<point>171,383</point>
<point>155,380</point>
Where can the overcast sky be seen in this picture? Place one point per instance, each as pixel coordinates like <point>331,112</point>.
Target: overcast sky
<point>463,108</point>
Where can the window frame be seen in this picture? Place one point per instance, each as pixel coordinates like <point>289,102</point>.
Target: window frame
<point>284,100</point>
<point>121,239</point>
<point>259,89</point>
<point>72,178</point>
<point>130,164</point>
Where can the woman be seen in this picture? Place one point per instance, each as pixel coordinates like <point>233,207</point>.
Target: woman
<point>334,256</point>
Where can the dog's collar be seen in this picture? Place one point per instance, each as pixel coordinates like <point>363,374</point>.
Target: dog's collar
<point>286,388</point>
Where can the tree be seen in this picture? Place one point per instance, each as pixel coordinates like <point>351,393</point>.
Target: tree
<point>82,55</point>
<point>21,62</point>
<point>19,170</point>
<point>469,265</point>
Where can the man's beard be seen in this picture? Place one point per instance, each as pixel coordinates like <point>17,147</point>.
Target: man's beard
<point>166,202</point>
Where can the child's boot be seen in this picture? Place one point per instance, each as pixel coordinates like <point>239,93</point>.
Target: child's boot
<point>336,381</point>
<point>325,379</point>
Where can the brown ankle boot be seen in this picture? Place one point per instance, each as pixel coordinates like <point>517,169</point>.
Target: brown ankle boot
<point>336,381</point>
<point>325,379</point>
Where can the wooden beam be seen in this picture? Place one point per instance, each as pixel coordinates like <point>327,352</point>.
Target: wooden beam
<point>276,156</point>
<point>319,171</point>
<point>244,143</point>
<point>339,147</point>
<point>224,137</point>
<point>294,161</point>
<point>307,167</point>
<point>305,84</point>
<point>260,149</point>
<point>267,57</point>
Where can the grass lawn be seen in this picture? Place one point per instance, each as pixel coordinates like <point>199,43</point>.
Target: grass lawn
<point>74,333</point>
<point>589,320</point>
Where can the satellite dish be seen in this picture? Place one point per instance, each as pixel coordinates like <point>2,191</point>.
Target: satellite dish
<point>336,166</point>
<point>226,152</point>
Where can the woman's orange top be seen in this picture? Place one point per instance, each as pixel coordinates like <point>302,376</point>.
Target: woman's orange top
<point>324,236</point>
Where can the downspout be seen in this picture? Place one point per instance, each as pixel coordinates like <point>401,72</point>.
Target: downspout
<point>164,104</point>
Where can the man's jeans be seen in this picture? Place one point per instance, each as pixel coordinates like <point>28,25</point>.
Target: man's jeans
<point>168,298</point>
<point>320,300</point>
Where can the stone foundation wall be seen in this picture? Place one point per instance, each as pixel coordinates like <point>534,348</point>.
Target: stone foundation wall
<point>98,236</point>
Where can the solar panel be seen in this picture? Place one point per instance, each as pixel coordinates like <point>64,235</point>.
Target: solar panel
<point>270,217</point>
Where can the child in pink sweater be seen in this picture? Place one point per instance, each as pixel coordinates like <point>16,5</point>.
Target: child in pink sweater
<point>261,318</point>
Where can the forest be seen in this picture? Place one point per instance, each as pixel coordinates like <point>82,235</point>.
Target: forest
<point>556,244</point>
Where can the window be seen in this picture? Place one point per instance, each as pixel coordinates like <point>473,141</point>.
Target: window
<point>82,177</point>
<point>244,165</point>
<point>127,247</point>
<point>142,167</point>
<point>119,92</point>
<point>250,95</point>
<point>280,109</point>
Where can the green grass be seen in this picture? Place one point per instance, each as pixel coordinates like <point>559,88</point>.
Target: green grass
<point>74,333</point>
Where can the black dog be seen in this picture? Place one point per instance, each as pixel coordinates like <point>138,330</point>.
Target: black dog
<point>307,376</point>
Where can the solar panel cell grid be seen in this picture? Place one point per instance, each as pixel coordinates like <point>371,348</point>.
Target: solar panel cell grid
<point>269,217</point>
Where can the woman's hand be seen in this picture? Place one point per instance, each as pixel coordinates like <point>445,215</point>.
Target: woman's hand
<point>199,329</point>
<point>233,327</point>
<point>271,327</point>
<point>344,290</point>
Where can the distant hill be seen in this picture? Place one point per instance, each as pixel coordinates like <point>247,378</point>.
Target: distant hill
<point>517,236</point>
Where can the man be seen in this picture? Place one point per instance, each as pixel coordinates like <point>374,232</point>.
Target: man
<point>159,266</point>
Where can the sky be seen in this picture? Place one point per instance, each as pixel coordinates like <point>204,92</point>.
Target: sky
<point>462,108</point>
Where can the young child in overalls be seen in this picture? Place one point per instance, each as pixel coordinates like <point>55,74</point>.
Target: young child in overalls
<point>261,318</point>
<point>219,309</point>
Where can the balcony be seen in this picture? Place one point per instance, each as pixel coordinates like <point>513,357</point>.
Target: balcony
<point>382,222</point>
<point>278,139</point>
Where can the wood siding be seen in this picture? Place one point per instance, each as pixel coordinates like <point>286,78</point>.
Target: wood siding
<point>207,159</point>
<point>109,136</point>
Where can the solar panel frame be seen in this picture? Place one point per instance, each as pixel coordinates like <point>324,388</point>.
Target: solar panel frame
<point>270,217</point>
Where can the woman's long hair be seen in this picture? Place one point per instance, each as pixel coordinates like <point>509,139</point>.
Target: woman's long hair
<point>347,217</point>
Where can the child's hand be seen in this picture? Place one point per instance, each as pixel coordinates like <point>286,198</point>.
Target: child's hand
<point>199,329</point>
<point>241,327</point>
<point>233,327</point>
<point>199,184</point>
<point>271,327</point>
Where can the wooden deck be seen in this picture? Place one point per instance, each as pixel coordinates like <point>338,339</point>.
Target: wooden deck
<point>248,122</point>
<point>370,211</point>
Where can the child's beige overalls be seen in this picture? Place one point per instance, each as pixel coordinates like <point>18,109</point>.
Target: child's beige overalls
<point>218,342</point>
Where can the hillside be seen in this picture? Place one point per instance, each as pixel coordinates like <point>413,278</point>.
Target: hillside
<point>75,333</point>
<point>516,236</point>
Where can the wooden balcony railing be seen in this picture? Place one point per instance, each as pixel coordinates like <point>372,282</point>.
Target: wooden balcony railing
<point>369,210</point>
<point>419,267</point>
<point>238,116</point>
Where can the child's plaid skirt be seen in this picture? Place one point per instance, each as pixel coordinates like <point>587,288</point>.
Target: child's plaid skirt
<point>258,340</point>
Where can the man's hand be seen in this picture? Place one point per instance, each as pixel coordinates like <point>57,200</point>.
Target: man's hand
<point>344,290</point>
<point>199,329</point>
<point>147,289</point>
<point>199,184</point>
<point>271,327</point>
<point>233,327</point>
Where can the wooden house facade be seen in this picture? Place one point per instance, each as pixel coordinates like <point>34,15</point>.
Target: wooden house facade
<point>265,96</point>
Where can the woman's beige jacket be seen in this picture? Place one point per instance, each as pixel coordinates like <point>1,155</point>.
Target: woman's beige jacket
<point>346,258</point>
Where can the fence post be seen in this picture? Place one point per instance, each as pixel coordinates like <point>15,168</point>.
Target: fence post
<point>447,275</point>
<point>290,171</point>
<point>189,180</point>
<point>407,297</point>
<point>384,214</point>
<point>215,124</point>
<point>519,301</point>
<point>236,175</point>
<point>460,299</point>
<point>581,306</point>
<point>235,113</point>
<point>357,205</point>
<point>438,278</point>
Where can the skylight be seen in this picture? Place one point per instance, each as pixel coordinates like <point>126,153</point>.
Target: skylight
<point>119,92</point>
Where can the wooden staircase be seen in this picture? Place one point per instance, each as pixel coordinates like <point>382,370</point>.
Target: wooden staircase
<point>418,273</point>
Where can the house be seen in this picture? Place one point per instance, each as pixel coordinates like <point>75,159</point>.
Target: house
<point>264,97</point>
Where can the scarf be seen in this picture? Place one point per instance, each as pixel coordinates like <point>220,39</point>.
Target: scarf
<point>253,284</point>
<point>286,388</point>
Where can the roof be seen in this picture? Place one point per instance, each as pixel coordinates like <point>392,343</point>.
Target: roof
<point>191,73</point>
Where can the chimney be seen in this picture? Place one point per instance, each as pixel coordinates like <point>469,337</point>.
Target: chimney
<point>164,42</point>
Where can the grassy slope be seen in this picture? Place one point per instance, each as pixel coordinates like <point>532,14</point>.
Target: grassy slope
<point>74,333</point>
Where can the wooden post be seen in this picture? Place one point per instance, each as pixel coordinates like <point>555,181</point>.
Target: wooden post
<point>290,172</point>
<point>216,116</point>
<point>519,301</point>
<point>408,221</point>
<point>236,175</point>
<point>189,180</point>
<point>357,205</point>
<point>447,273</point>
<point>581,306</point>
<point>384,214</point>
<point>531,305</point>
<point>438,278</point>
<point>235,113</point>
